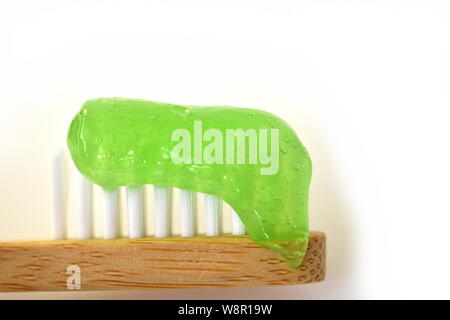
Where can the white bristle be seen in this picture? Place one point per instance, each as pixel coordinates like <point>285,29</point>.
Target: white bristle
<point>109,199</point>
<point>212,215</point>
<point>134,208</point>
<point>57,179</point>
<point>236,224</point>
<point>110,215</point>
<point>161,211</point>
<point>187,213</point>
<point>84,207</point>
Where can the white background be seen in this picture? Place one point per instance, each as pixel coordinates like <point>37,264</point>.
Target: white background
<point>364,83</point>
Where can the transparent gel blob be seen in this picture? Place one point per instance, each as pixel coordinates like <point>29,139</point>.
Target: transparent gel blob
<point>127,142</point>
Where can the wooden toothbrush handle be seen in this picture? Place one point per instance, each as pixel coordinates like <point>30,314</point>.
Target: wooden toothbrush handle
<point>198,262</point>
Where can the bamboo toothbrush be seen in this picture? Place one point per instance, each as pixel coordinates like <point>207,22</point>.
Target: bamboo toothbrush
<point>162,261</point>
<point>189,260</point>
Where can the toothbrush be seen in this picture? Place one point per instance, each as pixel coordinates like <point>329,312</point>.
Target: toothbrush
<point>163,261</point>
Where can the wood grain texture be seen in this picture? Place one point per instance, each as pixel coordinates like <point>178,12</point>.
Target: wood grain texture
<point>199,262</point>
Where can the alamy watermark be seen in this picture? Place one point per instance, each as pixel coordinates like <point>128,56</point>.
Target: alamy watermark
<point>229,146</point>
<point>73,281</point>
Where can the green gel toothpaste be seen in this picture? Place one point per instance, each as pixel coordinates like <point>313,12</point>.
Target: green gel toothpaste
<point>249,158</point>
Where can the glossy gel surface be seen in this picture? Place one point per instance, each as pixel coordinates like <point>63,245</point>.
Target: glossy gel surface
<point>126,142</point>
